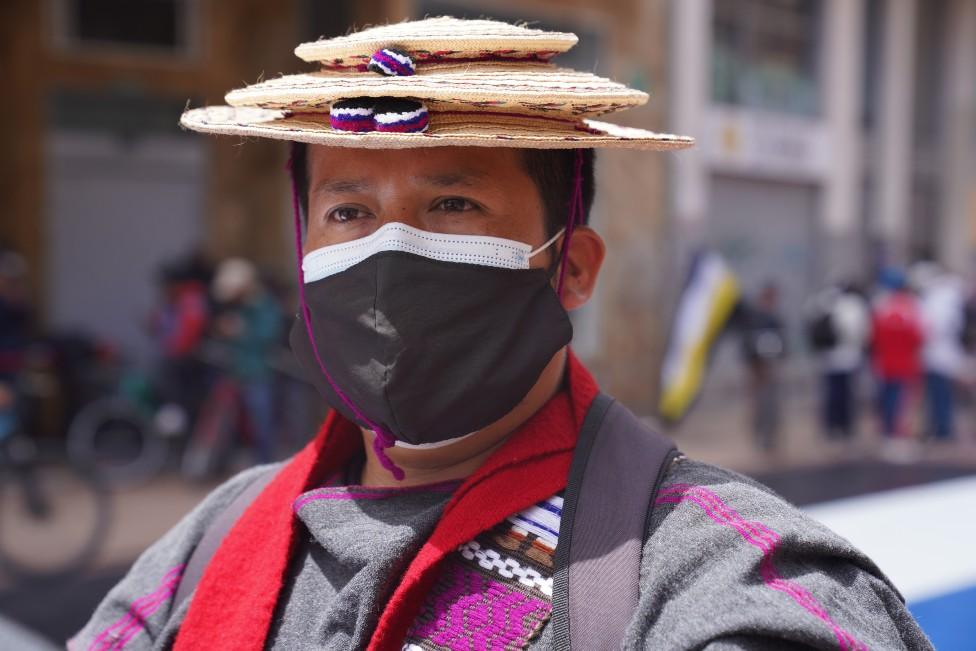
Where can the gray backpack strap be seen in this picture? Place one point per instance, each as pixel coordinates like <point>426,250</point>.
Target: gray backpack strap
<point>215,534</point>
<point>617,468</point>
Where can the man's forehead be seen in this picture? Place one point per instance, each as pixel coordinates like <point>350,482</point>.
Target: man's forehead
<point>438,166</point>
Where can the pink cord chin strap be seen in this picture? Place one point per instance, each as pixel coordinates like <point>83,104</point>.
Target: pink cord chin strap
<point>574,218</point>
<point>383,439</point>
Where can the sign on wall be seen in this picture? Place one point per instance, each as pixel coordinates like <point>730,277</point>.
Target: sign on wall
<point>774,145</point>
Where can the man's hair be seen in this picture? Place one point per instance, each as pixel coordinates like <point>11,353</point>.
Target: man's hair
<point>551,170</point>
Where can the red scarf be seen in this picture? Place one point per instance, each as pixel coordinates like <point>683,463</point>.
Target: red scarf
<point>235,601</point>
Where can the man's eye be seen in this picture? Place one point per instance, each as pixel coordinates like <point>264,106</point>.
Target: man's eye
<point>344,214</point>
<point>455,204</point>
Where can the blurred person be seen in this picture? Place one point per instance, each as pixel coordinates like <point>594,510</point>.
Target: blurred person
<point>839,330</point>
<point>968,402</point>
<point>248,325</point>
<point>968,336</point>
<point>448,494</point>
<point>197,267</point>
<point>764,347</point>
<point>15,314</point>
<point>943,313</point>
<point>896,342</point>
<point>15,324</point>
<point>179,324</point>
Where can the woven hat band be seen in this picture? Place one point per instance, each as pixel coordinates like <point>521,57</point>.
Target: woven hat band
<point>424,59</point>
<point>397,119</point>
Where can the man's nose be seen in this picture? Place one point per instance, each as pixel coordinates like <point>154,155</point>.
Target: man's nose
<point>403,212</point>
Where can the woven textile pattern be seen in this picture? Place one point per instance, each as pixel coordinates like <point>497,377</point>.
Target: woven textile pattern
<point>494,592</point>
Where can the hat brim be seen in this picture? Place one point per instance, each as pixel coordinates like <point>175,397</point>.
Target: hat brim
<point>538,89</point>
<point>456,129</point>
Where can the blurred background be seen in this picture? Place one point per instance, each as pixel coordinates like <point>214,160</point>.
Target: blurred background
<point>146,274</point>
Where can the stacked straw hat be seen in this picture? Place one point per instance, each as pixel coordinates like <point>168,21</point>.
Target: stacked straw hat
<point>434,82</point>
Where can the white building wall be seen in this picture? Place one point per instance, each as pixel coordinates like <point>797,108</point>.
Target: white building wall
<point>894,138</point>
<point>958,220</point>
<point>690,54</point>
<point>843,67</point>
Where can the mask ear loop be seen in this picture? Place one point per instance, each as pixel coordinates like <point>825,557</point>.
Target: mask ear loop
<point>383,438</point>
<point>575,216</point>
<point>545,245</point>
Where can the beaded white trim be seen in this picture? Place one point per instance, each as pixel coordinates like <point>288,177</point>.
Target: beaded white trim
<point>506,566</point>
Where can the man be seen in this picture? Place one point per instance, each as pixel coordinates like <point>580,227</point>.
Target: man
<point>840,329</point>
<point>15,325</point>
<point>942,306</point>
<point>764,347</point>
<point>247,329</point>
<point>15,314</point>
<point>178,325</point>
<point>897,339</point>
<point>439,260</point>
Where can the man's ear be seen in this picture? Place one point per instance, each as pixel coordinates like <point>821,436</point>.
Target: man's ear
<point>586,252</point>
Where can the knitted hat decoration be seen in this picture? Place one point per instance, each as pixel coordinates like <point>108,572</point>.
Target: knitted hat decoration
<point>435,82</point>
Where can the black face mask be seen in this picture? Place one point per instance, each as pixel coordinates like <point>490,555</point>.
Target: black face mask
<point>429,350</point>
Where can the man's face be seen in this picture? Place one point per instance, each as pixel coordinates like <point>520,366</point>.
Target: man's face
<point>463,190</point>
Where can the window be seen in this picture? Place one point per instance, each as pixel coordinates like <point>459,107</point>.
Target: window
<point>152,26</point>
<point>128,113</point>
<point>318,19</point>
<point>765,54</point>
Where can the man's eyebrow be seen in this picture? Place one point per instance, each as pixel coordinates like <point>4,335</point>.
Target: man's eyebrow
<point>453,179</point>
<point>339,186</point>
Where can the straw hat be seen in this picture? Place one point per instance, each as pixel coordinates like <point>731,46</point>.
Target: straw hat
<point>434,82</point>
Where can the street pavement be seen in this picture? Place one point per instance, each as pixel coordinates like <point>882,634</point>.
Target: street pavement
<point>139,516</point>
<point>718,431</point>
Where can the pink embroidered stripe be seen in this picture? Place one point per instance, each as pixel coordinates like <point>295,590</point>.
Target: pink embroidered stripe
<point>118,635</point>
<point>362,493</point>
<point>766,541</point>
